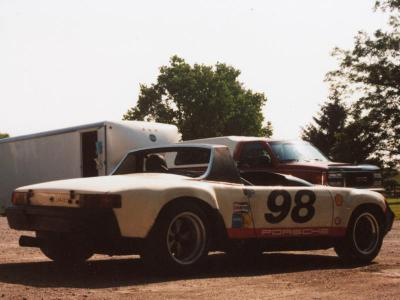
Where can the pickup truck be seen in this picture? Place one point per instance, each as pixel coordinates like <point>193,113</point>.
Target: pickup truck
<point>297,158</point>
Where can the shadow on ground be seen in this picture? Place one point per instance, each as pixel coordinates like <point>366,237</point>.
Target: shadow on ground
<point>130,272</point>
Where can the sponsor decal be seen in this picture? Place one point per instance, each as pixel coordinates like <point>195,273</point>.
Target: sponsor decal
<point>237,221</point>
<point>241,216</point>
<point>338,220</point>
<point>243,233</point>
<point>241,207</point>
<point>294,232</point>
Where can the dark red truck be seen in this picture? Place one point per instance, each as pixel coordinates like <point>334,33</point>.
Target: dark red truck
<point>297,158</point>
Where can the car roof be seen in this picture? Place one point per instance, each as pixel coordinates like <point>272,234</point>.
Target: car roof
<point>221,167</point>
<point>177,146</point>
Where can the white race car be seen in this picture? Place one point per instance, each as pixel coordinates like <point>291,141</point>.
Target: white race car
<point>174,204</point>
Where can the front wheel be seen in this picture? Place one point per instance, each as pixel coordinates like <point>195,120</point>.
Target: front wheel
<point>179,240</point>
<point>363,239</point>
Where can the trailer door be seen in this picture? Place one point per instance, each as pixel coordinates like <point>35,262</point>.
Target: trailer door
<point>89,154</point>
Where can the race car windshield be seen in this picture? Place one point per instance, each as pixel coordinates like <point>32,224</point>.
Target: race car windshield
<point>192,162</point>
<point>297,152</point>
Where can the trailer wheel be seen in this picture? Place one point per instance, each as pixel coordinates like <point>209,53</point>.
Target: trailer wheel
<point>64,248</point>
<point>363,239</point>
<point>179,241</point>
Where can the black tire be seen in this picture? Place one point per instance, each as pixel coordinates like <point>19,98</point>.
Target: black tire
<point>64,248</point>
<point>364,237</point>
<point>179,240</point>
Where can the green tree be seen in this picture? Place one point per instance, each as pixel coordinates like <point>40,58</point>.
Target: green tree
<point>203,101</point>
<point>327,124</point>
<point>3,135</point>
<point>340,133</point>
<point>352,145</point>
<point>368,76</point>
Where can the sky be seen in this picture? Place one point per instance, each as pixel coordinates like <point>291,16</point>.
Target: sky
<point>65,63</point>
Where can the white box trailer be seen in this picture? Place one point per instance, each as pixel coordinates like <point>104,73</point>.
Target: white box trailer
<point>81,151</point>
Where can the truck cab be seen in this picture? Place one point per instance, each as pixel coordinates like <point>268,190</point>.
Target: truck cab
<point>297,158</point>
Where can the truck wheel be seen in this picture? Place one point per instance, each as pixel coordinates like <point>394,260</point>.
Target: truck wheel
<point>64,248</point>
<point>179,241</point>
<point>363,239</point>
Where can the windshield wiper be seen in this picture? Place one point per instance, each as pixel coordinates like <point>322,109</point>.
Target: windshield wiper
<point>289,160</point>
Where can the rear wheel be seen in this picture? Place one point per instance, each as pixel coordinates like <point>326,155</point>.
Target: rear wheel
<point>364,237</point>
<point>179,240</point>
<point>64,248</point>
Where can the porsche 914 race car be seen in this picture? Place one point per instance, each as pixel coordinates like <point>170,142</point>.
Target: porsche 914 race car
<point>174,204</point>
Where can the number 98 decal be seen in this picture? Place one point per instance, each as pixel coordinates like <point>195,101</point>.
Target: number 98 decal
<point>304,199</point>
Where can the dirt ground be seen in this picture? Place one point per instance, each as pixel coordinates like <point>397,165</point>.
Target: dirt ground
<point>26,274</point>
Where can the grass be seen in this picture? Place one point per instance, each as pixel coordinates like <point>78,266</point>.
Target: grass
<point>395,206</point>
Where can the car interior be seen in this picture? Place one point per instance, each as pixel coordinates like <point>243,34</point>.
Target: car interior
<point>265,178</point>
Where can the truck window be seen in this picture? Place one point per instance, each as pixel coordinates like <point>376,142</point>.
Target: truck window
<point>297,151</point>
<point>254,155</point>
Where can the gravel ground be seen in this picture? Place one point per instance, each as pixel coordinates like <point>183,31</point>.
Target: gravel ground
<point>26,274</point>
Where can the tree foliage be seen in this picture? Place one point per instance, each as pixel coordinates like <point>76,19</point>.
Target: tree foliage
<point>330,121</point>
<point>202,101</point>
<point>3,135</point>
<point>368,76</point>
<point>338,133</point>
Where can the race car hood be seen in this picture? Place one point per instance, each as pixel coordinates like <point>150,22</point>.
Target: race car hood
<point>105,184</point>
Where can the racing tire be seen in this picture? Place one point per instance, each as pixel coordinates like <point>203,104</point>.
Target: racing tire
<point>179,240</point>
<point>363,239</point>
<point>64,248</point>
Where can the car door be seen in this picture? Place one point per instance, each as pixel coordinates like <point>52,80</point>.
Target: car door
<point>234,205</point>
<point>254,155</point>
<point>280,211</point>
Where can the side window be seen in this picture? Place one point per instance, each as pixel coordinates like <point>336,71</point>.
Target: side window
<point>254,155</point>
